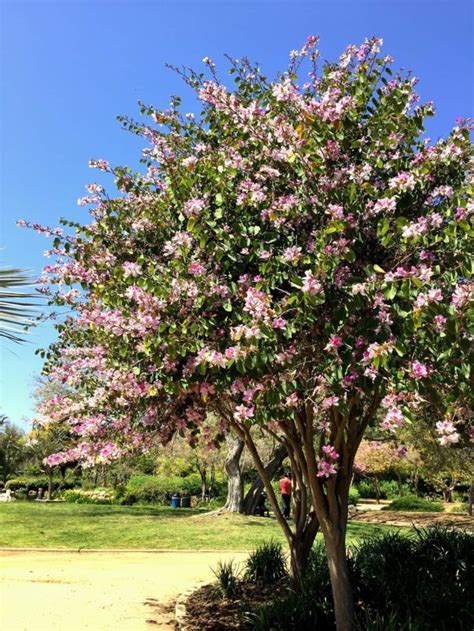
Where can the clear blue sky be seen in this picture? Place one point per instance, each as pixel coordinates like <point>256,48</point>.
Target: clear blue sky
<point>70,67</point>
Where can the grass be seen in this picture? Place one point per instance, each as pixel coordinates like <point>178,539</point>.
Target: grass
<point>32,525</point>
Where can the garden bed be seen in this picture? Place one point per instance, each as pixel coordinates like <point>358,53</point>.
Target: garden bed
<point>206,610</point>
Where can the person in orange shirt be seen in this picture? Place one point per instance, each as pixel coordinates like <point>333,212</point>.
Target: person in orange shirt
<point>285,492</point>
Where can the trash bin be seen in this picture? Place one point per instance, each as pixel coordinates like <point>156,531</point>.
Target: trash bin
<point>186,502</point>
<point>175,501</point>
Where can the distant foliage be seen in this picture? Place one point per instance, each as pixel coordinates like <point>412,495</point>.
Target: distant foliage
<point>150,489</point>
<point>414,503</point>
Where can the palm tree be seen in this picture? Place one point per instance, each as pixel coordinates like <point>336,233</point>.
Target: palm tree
<point>16,310</point>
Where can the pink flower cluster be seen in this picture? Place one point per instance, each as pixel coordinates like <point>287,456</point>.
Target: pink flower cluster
<point>327,464</point>
<point>311,285</point>
<point>447,432</point>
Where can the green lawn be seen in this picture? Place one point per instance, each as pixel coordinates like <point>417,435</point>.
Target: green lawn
<point>32,525</point>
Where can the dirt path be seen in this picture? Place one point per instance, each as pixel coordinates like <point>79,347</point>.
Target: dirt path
<point>399,518</point>
<point>96,591</point>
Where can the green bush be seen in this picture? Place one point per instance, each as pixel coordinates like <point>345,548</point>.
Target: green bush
<point>389,489</point>
<point>401,583</point>
<point>415,504</point>
<point>150,489</point>
<point>354,496</point>
<point>95,496</point>
<point>266,564</point>
<point>365,489</point>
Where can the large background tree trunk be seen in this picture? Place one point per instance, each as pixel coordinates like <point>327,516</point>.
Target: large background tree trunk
<point>235,487</point>
<point>254,494</point>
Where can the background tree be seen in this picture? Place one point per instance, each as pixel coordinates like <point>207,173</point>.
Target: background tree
<point>13,451</point>
<point>375,459</point>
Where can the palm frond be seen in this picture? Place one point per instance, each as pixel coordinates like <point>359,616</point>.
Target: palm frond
<point>17,310</point>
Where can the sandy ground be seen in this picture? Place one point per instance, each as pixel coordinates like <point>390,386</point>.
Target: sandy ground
<point>97,591</point>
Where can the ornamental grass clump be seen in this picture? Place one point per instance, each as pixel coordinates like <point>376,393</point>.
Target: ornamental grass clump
<point>266,564</point>
<point>227,575</point>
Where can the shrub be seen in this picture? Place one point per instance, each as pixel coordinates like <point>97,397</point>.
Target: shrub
<point>415,504</point>
<point>151,489</point>
<point>227,578</point>
<point>96,496</point>
<point>389,489</point>
<point>266,564</point>
<point>365,489</point>
<point>417,583</point>
<point>354,496</point>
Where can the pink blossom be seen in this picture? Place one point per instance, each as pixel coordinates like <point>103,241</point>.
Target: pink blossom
<point>329,402</point>
<point>335,341</point>
<point>385,205</point>
<point>292,400</point>
<point>242,412</point>
<point>311,284</point>
<point>325,469</point>
<point>393,419</point>
<point>448,433</point>
<point>193,207</point>
<point>196,269</point>
<point>279,323</point>
<point>439,322</point>
<point>335,211</point>
<point>419,370</point>
<point>292,254</point>
<point>330,452</point>
<point>131,269</point>
<point>231,352</point>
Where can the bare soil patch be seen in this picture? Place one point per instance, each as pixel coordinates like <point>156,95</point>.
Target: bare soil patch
<point>206,610</point>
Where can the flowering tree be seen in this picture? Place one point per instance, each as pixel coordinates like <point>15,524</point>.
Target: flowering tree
<point>296,259</point>
<point>374,458</point>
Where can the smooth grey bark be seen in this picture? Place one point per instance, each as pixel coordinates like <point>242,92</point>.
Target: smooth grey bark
<point>50,484</point>
<point>254,494</point>
<point>235,487</point>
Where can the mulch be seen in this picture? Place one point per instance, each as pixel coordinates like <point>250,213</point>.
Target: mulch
<point>207,610</point>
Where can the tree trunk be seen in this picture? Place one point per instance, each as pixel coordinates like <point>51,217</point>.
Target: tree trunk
<point>470,500</point>
<point>235,487</point>
<point>400,485</point>
<point>254,494</point>
<point>203,474</point>
<point>50,484</point>
<point>377,489</point>
<point>340,580</point>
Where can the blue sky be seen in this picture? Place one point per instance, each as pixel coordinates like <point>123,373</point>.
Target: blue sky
<point>69,68</point>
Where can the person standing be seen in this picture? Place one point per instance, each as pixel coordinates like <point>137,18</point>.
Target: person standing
<point>285,492</point>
